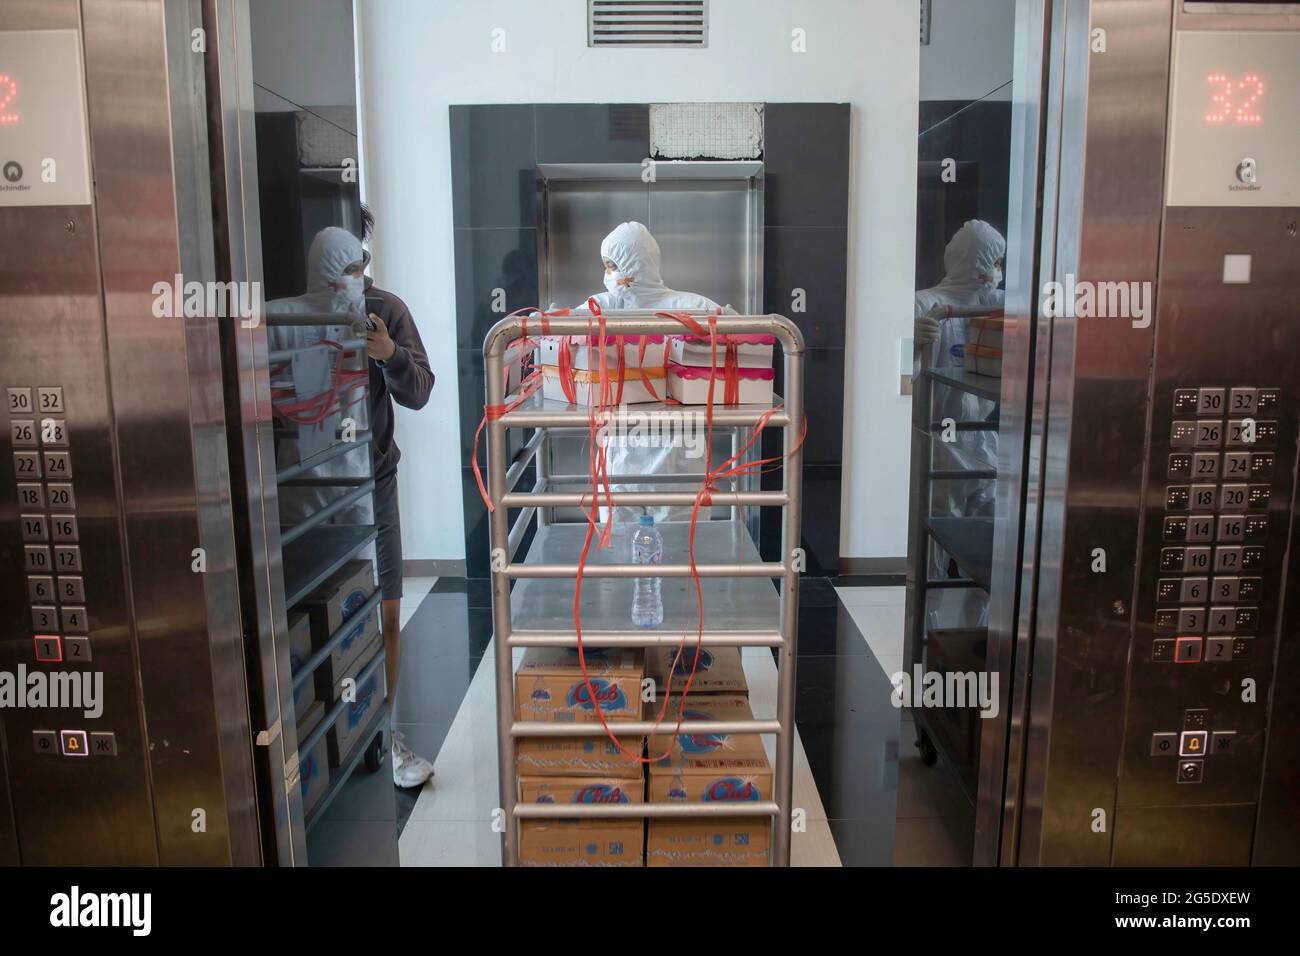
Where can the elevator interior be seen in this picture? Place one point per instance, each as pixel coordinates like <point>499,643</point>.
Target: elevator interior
<point>1138,565</point>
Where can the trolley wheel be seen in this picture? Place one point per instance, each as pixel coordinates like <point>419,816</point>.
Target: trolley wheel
<point>374,758</point>
<point>929,753</point>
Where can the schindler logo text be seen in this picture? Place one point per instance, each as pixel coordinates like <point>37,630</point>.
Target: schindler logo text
<point>133,910</point>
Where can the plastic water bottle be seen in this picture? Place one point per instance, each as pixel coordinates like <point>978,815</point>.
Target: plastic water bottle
<point>647,548</point>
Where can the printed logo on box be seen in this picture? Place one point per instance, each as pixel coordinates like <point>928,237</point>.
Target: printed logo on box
<point>609,695</point>
<point>700,743</point>
<point>730,788</point>
<point>600,793</point>
<point>350,605</point>
<point>684,663</point>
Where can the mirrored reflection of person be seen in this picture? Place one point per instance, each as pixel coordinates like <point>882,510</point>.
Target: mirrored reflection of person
<point>398,370</point>
<point>973,261</point>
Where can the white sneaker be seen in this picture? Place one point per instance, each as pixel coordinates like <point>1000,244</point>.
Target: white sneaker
<point>409,769</point>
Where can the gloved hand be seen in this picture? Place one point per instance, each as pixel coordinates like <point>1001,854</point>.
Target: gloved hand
<point>927,327</point>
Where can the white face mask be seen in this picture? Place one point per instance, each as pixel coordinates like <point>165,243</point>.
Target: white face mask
<point>612,282</point>
<point>352,290</point>
<point>997,277</point>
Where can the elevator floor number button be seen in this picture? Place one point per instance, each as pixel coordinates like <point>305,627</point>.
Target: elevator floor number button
<point>31,495</point>
<point>61,496</point>
<point>74,743</point>
<point>1223,620</point>
<point>45,742</point>
<point>1236,464</point>
<point>1233,498</point>
<point>1187,650</point>
<point>49,648</point>
<point>77,650</point>
<point>67,557</point>
<point>1218,649</point>
<point>36,557</point>
<point>54,433</point>
<point>35,528</point>
<point>1209,401</point>
<point>58,464</point>
<point>27,464</point>
<point>72,590</point>
<point>51,399</point>
<point>20,401</point>
<point>1242,401</point>
<point>1191,620</point>
<point>1196,559</point>
<point>22,432</point>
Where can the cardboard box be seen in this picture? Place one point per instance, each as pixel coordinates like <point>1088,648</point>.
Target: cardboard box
<point>578,757</point>
<point>299,653</point>
<point>585,386</point>
<point>314,766</point>
<point>959,650</point>
<point>705,768</point>
<point>586,352</point>
<point>356,717</point>
<point>752,351</point>
<point>336,601</point>
<point>689,385</point>
<point>575,842</point>
<point>549,685</point>
<point>719,670</point>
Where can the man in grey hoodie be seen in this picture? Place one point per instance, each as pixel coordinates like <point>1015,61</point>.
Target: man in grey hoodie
<point>399,370</point>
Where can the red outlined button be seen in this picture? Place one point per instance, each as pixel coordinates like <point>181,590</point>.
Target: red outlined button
<point>1187,650</point>
<point>49,648</point>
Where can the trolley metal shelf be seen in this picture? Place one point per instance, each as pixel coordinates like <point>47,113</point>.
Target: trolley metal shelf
<point>742,608</point>
<point>967,540</point>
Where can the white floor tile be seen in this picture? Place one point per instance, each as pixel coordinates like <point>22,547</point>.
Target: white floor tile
<point>866,596</point>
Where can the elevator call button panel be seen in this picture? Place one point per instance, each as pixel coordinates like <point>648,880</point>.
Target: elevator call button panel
<point>48,526</point>
<point>1213,548</point>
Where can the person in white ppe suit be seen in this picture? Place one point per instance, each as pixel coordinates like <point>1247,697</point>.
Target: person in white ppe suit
<point>335,283</point>
<point>397,370</point>
<point>632,260</point>
<point>972,272</point>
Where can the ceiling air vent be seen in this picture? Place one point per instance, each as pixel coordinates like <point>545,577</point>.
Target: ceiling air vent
<point>641,23</point>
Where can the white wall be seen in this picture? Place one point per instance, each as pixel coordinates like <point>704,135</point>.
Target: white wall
<point>969,52</point>
<point>418,57</point>
<point>302,50</point>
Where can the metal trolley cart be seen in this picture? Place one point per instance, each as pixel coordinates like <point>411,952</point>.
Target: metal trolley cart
<point>739,609</point>
<point>968,542</point>
<point>314,548</point>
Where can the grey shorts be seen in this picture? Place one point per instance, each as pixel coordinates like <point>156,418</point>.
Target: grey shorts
<point>388,549</point>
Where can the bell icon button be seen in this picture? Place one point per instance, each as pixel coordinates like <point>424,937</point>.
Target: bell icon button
<point>1192,743</point>
<point>73,743</point>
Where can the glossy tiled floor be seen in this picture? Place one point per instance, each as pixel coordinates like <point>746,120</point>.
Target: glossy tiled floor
<point>870,801</point>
